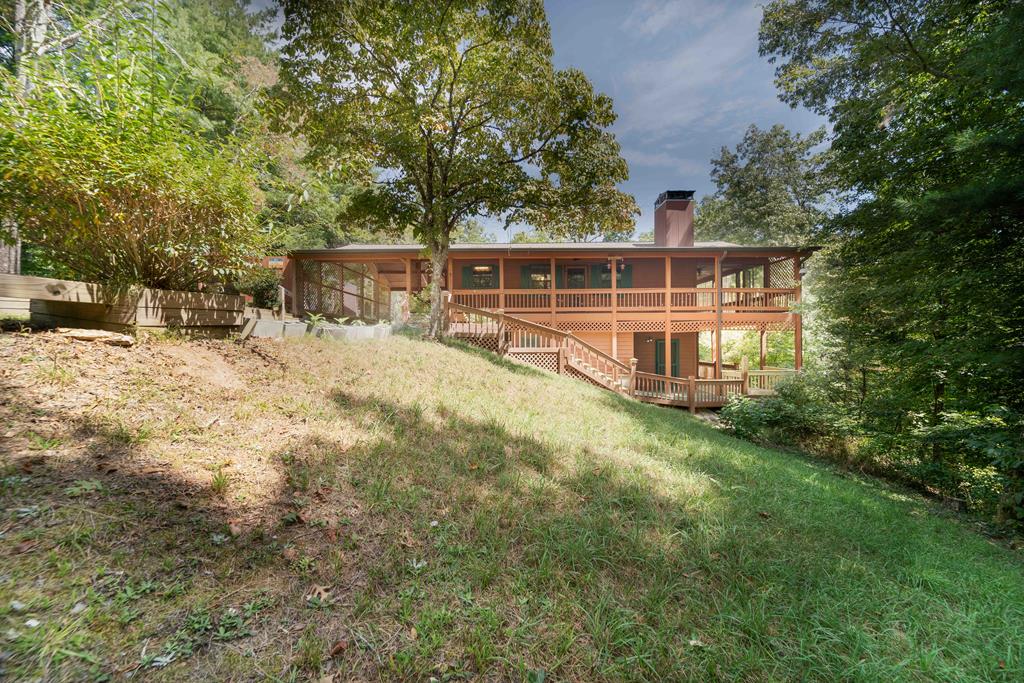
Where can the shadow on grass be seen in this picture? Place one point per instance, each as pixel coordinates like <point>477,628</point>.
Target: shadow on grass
<point>157,561</point>
<point>458,548</point>
<point>495,359</point>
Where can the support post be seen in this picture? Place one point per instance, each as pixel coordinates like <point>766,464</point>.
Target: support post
<point>632,376</point>
<point>554,279</point>
<point>296,287</point>
<point>561,360</point>
<point>501,282</point>
<point>718,316</point>
<point>613,264</point>
<point>763,352</point>
<point>501,333</point>
<point>691,393</point>
<point>407,308</point>
<point>798,331</point>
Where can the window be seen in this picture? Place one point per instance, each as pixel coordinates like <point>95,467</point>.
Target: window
<point>540,277</point>
<point>535,276</point>
<point>480,276</point>
<point>575,277</point>
<point>601,275</point>
<point>483,277</point>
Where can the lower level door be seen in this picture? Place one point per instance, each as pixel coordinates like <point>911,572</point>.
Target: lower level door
<point>659,357</point>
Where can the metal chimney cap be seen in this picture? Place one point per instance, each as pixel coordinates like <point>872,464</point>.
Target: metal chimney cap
<point>665,196</point>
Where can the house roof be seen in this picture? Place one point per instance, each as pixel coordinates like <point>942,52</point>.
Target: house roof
<point>531,247</point>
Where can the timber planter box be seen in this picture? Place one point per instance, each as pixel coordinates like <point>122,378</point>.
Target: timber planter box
<point>66,303</point>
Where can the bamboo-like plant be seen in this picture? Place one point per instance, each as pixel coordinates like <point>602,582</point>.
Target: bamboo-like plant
<point>104,174</point>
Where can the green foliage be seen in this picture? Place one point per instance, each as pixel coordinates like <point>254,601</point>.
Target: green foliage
<point>747,345</point>
<point>797,414</point>
<point>262,284</point>
<point>103,176</point>
<point>471,231</point>
<point>461,109</point>
<point>922,288</point>
<point>771,190</point>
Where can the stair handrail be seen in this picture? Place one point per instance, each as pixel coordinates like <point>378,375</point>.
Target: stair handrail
<point>566,338</point>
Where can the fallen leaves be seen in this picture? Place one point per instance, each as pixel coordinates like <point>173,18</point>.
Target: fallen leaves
<point>25,546</point>
<point>339,648</point>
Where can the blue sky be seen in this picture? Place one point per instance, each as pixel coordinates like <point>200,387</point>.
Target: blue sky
<point>686,80</point>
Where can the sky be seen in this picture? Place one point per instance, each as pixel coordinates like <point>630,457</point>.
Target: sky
<point>686,80</point>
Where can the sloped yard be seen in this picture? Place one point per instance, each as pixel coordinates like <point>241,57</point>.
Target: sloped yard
<point>405,510</point>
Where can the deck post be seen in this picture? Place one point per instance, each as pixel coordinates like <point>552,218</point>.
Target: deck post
<point>561,360</point>
<point>718,317</point>
<point>763,348</point>
<point>296,284</point>
<point>501,332</point>
<point>632,377</point>
<point>745,380</point>
<point>501,283</point>
<point>407,308</point>
<point>553,285</point>
<point>613,263</point>
<point>798,328</point>
<point>691,393</point>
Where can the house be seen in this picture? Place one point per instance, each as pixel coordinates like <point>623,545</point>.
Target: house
<point>644,300</point>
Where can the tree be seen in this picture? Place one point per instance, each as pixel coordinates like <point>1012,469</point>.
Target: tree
<point>459,107</point>
<point>773,189</point>
<point>924,284</point>
<point>471,231</point>
<point>102,173</point>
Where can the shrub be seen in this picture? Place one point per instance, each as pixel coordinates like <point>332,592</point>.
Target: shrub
<point>262,284</point>
<point>104,175</point>
<point>980,461</point>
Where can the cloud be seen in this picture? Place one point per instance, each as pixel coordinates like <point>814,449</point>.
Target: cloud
<point>663,158</point>
<point>700,82</point>
<point>649,18</point>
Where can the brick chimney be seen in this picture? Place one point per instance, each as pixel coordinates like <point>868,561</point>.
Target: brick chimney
<point>673,219</point>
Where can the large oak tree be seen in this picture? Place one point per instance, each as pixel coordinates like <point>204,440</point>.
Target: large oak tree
<point>460,111</point>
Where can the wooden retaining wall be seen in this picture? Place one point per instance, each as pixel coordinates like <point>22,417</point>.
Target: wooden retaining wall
<point>66,303</point>
<point>11,305</point>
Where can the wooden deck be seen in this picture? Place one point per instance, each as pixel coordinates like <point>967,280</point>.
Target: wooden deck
<point>563,353</point>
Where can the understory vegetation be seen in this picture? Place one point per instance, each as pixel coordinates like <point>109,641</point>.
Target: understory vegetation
<point>310,509</point>
<point>917,201</point>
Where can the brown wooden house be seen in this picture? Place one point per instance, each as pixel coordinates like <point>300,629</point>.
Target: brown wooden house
<point>662,295</point>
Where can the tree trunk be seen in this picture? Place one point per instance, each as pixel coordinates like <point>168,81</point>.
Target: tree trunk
<point>438,266</point>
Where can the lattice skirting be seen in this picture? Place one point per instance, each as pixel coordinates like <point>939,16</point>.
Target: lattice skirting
<point>489,342</point>
<point>544,360</point>
<point>692,325</point>
<point>586,325</point>
<point>641,325</point>
<point>576,374</point>
<point>759,325</point>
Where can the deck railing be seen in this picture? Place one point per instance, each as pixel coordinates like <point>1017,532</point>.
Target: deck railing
<point>758,299</point>
<point>508,334</point>
<point>765,381</point>
<point>696,299</point>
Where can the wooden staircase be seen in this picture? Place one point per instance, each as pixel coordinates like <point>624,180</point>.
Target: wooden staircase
<point>563,353</point>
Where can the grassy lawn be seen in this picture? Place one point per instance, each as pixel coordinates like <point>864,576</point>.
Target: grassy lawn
<point>405,510</point>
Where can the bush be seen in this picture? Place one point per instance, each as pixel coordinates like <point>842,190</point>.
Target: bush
<point>104,176</point>
<point>980,462</point>
<point>262,284</point>
<point>795,415</point>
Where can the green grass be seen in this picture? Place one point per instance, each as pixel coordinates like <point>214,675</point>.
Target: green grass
<point>472,518</point>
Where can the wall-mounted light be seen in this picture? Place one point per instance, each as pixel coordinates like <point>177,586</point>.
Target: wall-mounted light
<point>482,269</point>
